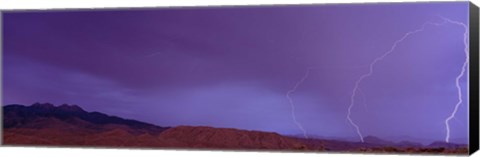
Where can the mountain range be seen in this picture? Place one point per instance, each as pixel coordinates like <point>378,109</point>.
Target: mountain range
<point>70,125</point>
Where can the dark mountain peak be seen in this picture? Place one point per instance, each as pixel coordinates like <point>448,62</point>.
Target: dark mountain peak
<point>48,107</point>
<point>372,138</point>
<point>376,140</point>
<point>70,108</point>
<point>43,105</point>
<point>13,106</point>
<point>23,116</point>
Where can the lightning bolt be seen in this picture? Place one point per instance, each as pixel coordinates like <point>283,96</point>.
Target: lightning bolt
<point>292,105</point>
<point>459,76</point>
<point>378,59</point>
<point>294,89</point>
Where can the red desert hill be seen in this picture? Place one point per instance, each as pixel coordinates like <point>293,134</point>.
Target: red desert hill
<point>69,125</point>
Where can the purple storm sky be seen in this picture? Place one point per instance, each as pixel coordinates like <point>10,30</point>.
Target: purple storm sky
<point>232,66</point>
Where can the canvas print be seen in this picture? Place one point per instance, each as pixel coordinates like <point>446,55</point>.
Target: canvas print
<point>361,78</point>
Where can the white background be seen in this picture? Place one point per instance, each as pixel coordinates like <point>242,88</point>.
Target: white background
<point>82,152</point>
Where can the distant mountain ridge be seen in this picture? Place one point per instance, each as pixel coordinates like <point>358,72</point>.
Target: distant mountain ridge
<point>376,140</point>
<point>18,116</point>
